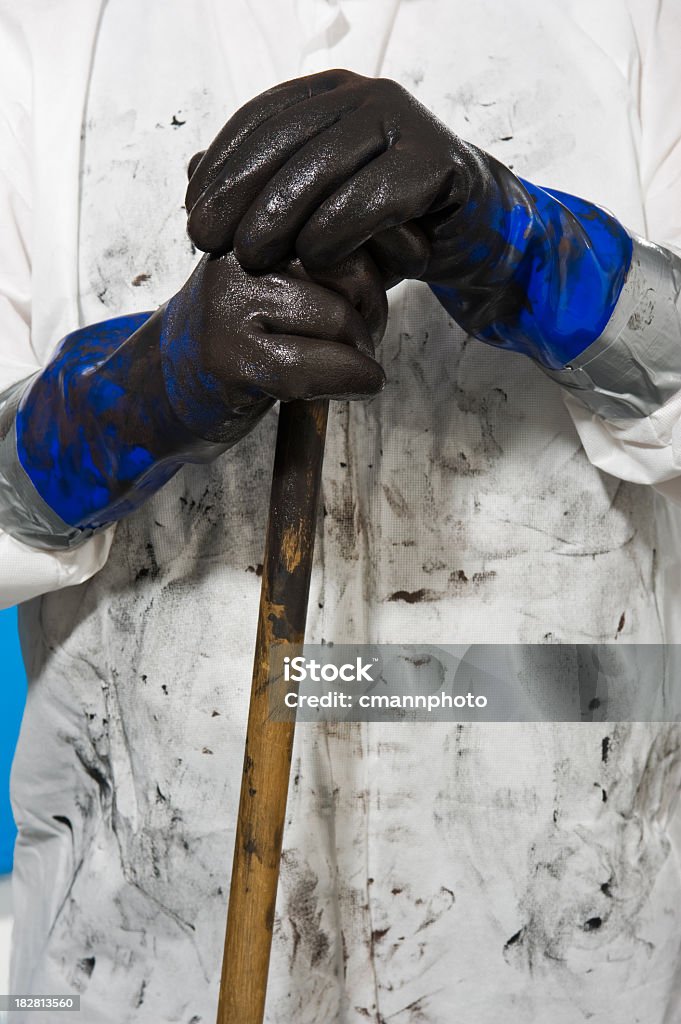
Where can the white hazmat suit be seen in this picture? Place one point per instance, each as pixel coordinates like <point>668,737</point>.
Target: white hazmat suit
<point>431,872</point>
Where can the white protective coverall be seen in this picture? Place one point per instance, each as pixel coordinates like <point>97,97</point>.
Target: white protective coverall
<point>432,872</point>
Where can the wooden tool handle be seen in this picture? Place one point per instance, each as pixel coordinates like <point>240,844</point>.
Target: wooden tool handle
<point>264,786</point>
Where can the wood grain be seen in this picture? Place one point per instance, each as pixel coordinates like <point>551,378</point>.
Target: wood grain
<point>287,566</point>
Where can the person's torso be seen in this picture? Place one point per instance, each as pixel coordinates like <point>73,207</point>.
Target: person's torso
<point>515,869</point>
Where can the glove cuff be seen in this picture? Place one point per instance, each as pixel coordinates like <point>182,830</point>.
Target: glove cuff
<point>92,435</point>
<point>24,514</point>
<point>634,367</point>
<point>533,270</point>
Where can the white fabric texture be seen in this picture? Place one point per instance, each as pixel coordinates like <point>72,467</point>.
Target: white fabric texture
<point>518,872</point>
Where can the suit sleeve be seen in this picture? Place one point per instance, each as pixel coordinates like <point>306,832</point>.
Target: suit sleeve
<point>25,571</point>
<point>624,393</point>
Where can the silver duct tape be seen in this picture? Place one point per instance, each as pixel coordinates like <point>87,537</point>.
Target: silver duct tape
<point>23,512</point>
<point>634,367</point>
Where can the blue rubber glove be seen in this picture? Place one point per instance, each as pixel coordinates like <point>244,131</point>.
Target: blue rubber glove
<point>124,404</point>
<point>326,163</point>
<point>543,276</point>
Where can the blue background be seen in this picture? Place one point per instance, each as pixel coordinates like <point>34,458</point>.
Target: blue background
<point>12,697</point>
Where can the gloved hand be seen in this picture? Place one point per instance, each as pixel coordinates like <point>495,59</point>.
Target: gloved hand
<point>232,343</point>
<point>123,404</point>
<point>323,164</point>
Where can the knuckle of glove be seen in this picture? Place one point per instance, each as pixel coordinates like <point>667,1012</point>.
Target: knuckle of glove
<point>351,328</point>
<point>200,229</point>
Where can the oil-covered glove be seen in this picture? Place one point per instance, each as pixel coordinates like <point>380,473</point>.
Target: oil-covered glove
<point>123,404</point>
<point>323,164</point>
<point>232,342</point>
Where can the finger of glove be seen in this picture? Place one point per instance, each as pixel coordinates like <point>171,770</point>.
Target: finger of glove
<point>216,215</point>
<point>307,367</point>
<point>250,117</point>
<point>359,280</point>
<point>308,309</point>
<point>380,196</point>
<point>269,227</point>
<point>400,252</point>
<point>194,163</point>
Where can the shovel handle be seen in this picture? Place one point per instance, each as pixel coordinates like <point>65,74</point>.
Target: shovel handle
<point>287,567</point>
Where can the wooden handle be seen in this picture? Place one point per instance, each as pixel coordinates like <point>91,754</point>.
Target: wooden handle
<point>267,761</point>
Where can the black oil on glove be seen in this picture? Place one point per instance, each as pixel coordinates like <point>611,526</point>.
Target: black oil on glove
<point>233,342</point>
<point>324,164</point>
<point>122,405</point>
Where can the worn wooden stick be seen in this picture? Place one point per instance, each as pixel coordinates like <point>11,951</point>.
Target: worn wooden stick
<point>287,566</point>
